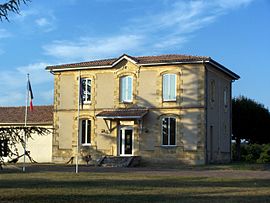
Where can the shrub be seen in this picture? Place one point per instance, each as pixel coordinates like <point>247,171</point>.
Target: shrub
<point>253,153</point>
<point>265,155</point>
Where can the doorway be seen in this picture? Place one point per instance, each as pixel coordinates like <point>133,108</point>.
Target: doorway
<point>125,141</point>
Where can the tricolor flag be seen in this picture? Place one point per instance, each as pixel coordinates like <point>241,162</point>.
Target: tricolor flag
<point>81,91</point>
<point>30,95</point>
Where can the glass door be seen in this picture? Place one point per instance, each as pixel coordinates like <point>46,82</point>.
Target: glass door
<point>125,141</point>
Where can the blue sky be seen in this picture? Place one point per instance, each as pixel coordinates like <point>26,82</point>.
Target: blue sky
<point>236,33</point>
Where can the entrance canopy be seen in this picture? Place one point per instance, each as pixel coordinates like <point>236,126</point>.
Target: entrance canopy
<point>122,114</point>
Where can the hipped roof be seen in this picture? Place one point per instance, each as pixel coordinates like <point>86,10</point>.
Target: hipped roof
<point>143,61</point>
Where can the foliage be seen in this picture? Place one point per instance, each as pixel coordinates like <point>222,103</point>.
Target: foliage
<point>10,6</point>
<point>265,155</point>
<point>250,121</point>
<point>15,136</point>
<point>253,153</point>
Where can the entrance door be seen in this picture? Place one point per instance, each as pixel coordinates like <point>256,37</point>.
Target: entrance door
<point>125,141</point>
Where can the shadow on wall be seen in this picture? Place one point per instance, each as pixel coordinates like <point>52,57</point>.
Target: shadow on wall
<point>189,113</point>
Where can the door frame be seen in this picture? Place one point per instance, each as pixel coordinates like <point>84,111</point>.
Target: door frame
<point>123,128</point>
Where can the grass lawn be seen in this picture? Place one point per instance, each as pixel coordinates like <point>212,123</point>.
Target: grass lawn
<point>128,187</point>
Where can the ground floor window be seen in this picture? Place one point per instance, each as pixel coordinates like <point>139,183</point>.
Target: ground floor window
<point>168,131</point>
<point>85,130</point>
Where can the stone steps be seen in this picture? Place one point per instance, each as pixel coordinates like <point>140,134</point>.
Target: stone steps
<point>119,161</point>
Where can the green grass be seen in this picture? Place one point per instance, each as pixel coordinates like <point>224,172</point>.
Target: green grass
<point>228,166</point>
<point>128,187</point>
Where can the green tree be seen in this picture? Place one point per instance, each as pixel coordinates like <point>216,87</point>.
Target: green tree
<point>10,6</point>
<point>250,121</point>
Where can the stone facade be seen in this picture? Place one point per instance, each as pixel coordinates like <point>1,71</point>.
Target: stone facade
<point>192,109</point>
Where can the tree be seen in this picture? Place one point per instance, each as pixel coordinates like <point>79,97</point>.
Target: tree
<point>12,137</point>
<point>10,6</point>
<point>250,121</point>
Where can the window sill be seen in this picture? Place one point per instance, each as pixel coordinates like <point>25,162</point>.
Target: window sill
<point>87,103</point>
<point>168,146</point>
<point>86,145</point>
<point>126,102</point>
<point>169,100</point>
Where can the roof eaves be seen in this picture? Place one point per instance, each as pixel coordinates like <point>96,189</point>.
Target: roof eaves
<point>223,69</point>
<point>77,68</point>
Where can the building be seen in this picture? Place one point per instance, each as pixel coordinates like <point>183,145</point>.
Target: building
<point>168,108</point>
<point>39,147</point>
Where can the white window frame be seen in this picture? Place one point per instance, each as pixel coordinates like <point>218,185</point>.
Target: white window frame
<point>122,146</point>
<point>125,84</point>
<point>85,132</point>
<point>85,101</point>
<point>169,132</point>
<point>170,97</point>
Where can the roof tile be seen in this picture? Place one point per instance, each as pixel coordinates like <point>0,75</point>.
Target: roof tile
<point>139,59</point>
<point>40,115</point>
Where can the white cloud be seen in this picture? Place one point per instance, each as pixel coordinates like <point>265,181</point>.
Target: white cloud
<point>11,99</point>
<point>37,72</point>
<point>232,4</point>
<point>47,23</point>
<point>42,22</point>
<point>170,27</point>
<point>91,48</point>
<point>13,84</point>
<point>4,33</point>
<point>47,96</point>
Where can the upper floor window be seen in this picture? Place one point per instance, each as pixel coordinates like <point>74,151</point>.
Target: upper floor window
<point>85,132</point>
<point>212,90</point>
<point>86,90</point>
<point>225,97</point>
<point>169,87</point>
<point>168,131</point>
<point>126,89</point>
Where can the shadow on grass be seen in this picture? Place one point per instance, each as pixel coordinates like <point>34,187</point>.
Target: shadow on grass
<point>140,198</point>
<point>127,183</point>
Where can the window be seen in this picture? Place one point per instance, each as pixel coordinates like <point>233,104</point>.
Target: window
<point>86,90</point>
<point>126,89</point>
<point>225,97</point>
<point>212,90</point>
<point>168,131</point>
<point>85,130</point>
<point>169,87</point>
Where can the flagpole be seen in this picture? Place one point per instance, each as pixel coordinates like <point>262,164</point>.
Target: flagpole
<point>78,117</point>
<point>25,120</point>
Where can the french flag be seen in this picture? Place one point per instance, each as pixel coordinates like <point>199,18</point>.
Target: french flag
<point>31,96</point>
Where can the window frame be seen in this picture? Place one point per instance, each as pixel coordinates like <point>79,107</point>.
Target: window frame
<point>87,132</point>
<point>169,132</point>
<point>225,97</point>
<point>85,101</point>
<point>212,91</point>
<point>169,87</point>
<point>125,86</point>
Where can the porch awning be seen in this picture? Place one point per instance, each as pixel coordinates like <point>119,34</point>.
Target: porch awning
<point>123,114</point>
